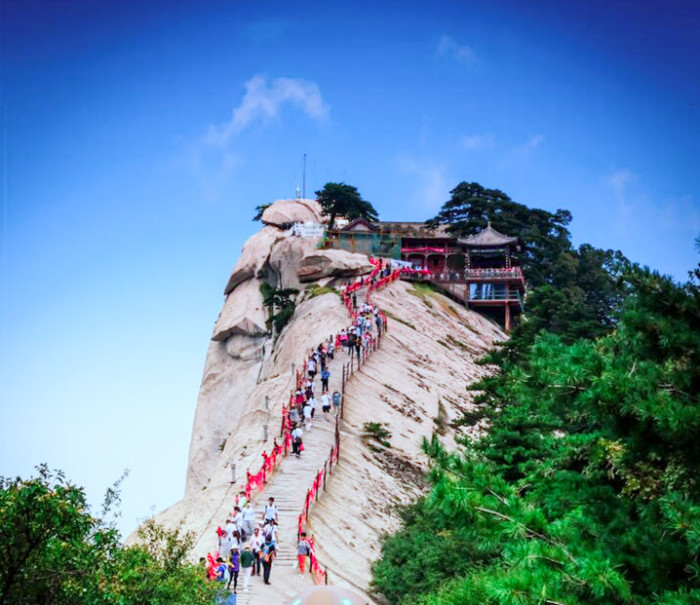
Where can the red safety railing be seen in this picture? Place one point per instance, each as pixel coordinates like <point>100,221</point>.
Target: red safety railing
<point>257,481</point>
<point>319,575</point>
<point>312,494</point>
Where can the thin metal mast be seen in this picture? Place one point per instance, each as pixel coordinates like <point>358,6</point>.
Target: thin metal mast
<point>303,181</point>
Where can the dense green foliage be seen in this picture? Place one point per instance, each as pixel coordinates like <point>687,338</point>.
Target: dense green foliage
<point>572,292</point>
<point>339,199</point>
<point>280,305</point>
<point>585,489</point>
<point>543,235</point>
<point>55,552</point>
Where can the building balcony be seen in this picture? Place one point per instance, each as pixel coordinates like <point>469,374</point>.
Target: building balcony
<point>514,274</point>
<point>490,274</point>
<point>428,250</point>
<point>480,296</point>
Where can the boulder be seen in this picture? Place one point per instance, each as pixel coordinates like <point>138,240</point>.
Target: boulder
<point>243,313</point>
<point>284,213</point>
<point>286,256</point>
<point>332,263</point>
<point>255,254</point>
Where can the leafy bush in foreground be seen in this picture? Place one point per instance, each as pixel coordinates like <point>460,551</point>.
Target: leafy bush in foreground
<point>55,552</point>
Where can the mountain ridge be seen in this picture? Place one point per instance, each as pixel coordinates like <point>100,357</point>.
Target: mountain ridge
<point>413,384</point>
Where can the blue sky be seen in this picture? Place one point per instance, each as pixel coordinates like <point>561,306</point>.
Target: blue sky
<point>139,136</point>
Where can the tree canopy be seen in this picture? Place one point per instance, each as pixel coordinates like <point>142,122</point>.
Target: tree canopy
<point>280,305</point>
<point>55,551</point>
<point>584,490</point>
<point>571,292</point>
<point>259,210</point>
<point>543,235</point>
<point>339,199</point>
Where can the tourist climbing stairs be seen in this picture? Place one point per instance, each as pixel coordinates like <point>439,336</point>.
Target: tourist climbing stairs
<point>288,486</point>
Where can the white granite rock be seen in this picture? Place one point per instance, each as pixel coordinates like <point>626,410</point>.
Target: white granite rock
<point>419,374</point>
<point>332,263</point>
<point>255,253</point>
<point>285,212</point>
<point>243,312</point>
<point>286,256</point>
<point>245,347</point>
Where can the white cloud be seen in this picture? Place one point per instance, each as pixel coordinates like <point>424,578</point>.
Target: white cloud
<point>619,180</point>
<point>263,101</point>
<point>517,156</point>
<point>478,141</point>
<point>432,189</point>
<point>529,146</point>
<point>447,47</point>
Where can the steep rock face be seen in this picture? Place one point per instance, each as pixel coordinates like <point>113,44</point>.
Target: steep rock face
<point>414,384</point>
<point>240,356</point>
<point>255,254</point>
<point>286,256</point>
<point>243,313</point>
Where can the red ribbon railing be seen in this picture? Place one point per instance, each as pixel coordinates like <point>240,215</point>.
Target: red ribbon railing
<point>319,575</point>
<point>257,481</point>
<point>312,494</point>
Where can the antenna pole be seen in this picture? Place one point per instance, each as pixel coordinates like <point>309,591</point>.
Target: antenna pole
<point>303,181</point>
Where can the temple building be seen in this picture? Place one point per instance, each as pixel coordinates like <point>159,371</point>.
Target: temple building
<point>494,282</point>
<point>481,270</point>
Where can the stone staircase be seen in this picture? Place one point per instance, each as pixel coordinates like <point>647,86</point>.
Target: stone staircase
<point>288,486</point>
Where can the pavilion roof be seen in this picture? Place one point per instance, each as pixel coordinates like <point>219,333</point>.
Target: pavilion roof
<point>488,237</point>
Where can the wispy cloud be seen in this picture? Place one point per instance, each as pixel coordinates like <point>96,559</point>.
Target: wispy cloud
<point>520,155</point>
<point>432,189</point>
<point>619,180</point>
<point>264,100</point>
<point>526,148</point>
<point>478,141</point>
<point>448,47</point>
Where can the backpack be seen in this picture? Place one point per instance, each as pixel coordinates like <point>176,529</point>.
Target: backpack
<point>226,577</point>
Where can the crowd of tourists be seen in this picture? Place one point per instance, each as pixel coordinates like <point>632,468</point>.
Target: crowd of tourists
<point>249,543</point>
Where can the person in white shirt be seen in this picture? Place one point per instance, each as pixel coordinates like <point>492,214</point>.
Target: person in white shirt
<point>270,530</point>
<point>326,406</point>
<point>256,542</point>
<point>248,518</point>
<point>297,435</point>
<point>225,539</point>
<point>270,512</point>
<point>312,404</point>
<point>307,416</point>
<point>237,518</point>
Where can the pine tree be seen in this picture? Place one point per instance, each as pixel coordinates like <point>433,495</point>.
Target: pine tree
<point>585,489</point>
